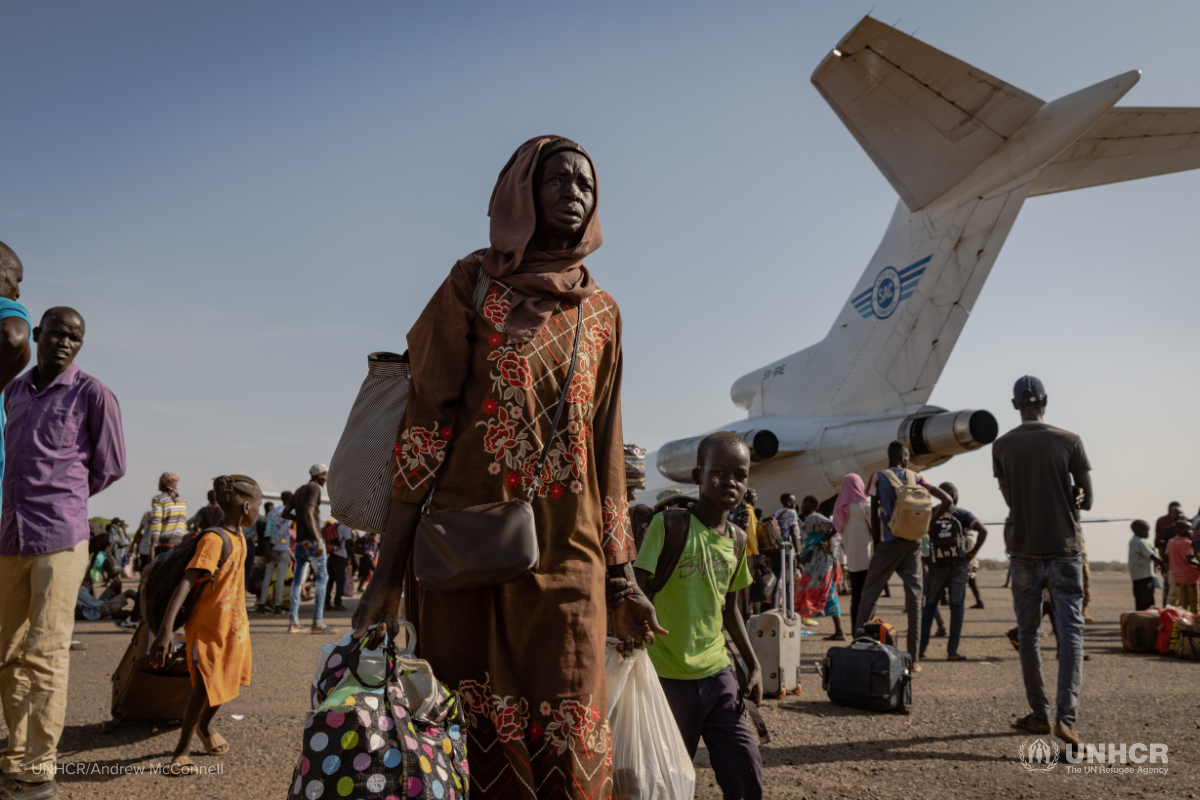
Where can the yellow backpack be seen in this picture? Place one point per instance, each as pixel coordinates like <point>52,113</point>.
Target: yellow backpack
<point>912,509</point>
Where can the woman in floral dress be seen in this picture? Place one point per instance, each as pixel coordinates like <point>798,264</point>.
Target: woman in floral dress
<point>816,593</point>
<point>526,658</point>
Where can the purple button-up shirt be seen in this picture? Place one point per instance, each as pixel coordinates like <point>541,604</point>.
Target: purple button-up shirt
<point>61,445</point>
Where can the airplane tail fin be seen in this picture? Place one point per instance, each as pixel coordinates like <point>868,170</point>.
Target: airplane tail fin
<point>1126,144</point>
<point>925,118</point>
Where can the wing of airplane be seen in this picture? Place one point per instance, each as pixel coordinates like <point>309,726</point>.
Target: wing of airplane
<point>1126,144</point>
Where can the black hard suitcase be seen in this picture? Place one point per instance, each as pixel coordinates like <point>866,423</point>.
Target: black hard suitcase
<point>868,674</point>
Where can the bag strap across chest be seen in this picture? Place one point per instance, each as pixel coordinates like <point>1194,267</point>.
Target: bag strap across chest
<point>676,523</point>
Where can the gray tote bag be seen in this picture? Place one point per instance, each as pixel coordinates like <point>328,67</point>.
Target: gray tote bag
<point>360,474</point>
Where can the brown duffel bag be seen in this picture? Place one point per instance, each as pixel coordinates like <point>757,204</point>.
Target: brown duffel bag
<point>1139,630</point>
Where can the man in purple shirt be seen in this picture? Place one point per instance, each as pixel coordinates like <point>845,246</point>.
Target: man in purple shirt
<point>64,443</point>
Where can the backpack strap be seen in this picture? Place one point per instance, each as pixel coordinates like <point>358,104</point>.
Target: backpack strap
<point>739,543</point>
<point>892,479</point>
<point>676,522</point>
<point>226,546</point>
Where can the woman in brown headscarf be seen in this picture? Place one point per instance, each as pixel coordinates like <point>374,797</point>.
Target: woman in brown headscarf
<point>526,658</point>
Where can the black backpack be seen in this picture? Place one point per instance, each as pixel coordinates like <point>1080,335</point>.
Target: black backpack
<point>165,573</point>
<point>676,522</point>
<point>947,541</point>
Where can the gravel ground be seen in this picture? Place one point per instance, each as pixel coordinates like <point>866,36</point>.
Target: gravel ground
<point>956,743</point>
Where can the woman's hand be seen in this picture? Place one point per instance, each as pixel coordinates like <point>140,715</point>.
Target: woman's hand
<point>378,612</point>
<point>635,623</point>
<point>160,648</point>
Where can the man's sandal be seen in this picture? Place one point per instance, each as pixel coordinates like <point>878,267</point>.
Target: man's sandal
<point>214,745</point>
<point>178,768</point>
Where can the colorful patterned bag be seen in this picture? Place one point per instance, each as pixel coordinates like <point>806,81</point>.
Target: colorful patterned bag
<point>401,737</point>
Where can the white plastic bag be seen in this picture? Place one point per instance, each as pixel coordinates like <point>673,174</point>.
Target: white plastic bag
<point>649,761</point>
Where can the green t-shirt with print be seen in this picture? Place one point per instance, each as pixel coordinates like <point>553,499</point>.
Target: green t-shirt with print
<point>690,605</point>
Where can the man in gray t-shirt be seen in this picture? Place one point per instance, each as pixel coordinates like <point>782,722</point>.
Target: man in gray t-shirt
<point>1044,476</point>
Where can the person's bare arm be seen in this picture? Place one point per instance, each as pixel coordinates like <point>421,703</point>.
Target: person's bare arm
<point>379,609</point>
<point>1083,482</point>
<point>160,648</point>
<point>943,506</point>
<point>635,621</point>
<point>981,529</point>
<point>14,349</point>
<point>737,632</point>
<point>314,524</point>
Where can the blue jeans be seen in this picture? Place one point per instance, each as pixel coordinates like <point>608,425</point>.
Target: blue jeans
<point>1062,577</point>
<point>939,577</point>
<point>305,555</point>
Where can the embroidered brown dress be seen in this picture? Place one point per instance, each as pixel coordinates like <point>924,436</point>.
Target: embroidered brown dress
<point>526,658</point>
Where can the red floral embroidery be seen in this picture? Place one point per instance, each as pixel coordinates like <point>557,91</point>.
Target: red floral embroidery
<point>577,455</point>
<point>490,406</point>
<point>514,370</point>
<point>556,491</point>
<point>447,433</point>
<point>495,308</point>
<point>495,339</point>
<point>512,480</point>
<point>572,720</point>
<point>501,434</point>
<point>535,731</point>
<point>600,335</point>
<point>475,699</point>
<point>583,386</point>
<point>615,533</point>
<point>422,441</point>
<point>511,718</point>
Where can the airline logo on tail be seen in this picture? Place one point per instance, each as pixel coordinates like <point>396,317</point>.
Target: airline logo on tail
<point>891,287</point>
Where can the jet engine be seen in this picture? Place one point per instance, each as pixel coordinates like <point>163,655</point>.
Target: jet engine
<point>676,459</point>
<point>935,438</point>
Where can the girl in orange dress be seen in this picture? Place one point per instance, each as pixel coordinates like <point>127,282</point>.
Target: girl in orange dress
<point>217,631</point>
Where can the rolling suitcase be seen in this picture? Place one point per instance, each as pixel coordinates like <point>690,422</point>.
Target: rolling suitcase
<point>775,635</point>
<point>868,674</point>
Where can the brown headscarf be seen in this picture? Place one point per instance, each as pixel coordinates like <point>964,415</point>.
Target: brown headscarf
<point>539,280</point>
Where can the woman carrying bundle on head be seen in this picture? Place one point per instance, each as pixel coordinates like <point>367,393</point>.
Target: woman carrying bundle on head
<point>216,630</point>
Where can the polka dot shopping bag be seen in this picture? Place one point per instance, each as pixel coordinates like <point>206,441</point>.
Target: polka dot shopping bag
<point>390,739</point>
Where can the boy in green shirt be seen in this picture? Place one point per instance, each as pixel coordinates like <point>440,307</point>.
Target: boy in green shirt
<point>697,599</point>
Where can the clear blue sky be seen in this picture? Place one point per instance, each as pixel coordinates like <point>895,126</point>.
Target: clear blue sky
<point>243,200</point>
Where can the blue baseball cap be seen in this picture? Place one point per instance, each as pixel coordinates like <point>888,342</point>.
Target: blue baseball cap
<point>1028,389</point>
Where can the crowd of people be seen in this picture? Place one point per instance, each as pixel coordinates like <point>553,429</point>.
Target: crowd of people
<point>514,393</point>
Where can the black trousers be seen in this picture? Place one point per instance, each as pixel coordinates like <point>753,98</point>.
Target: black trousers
<point>975,590</point>
<point>1143,593</point>
<point>337,577</point>
<point>857,581</point>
